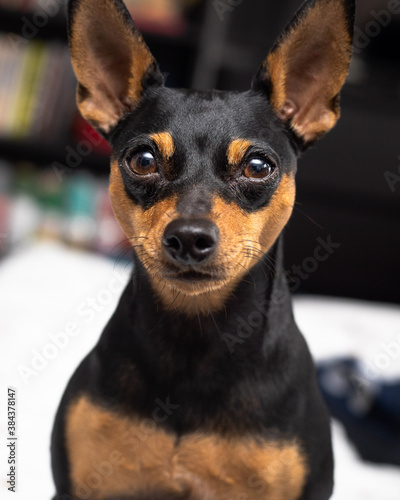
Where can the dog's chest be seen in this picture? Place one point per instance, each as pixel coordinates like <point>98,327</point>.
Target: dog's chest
<point>114,456</point>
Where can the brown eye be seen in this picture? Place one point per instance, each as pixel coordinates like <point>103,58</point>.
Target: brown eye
<point>142,163</point>
<point>257,168</point>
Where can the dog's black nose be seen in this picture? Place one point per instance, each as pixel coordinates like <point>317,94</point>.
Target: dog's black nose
<point>190,242</point>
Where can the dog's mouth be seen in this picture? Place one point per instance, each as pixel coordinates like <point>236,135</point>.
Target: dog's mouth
<point>190,280</point>
<point>192,275</point>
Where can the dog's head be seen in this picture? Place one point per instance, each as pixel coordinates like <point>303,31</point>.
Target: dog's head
<point>202,182</point>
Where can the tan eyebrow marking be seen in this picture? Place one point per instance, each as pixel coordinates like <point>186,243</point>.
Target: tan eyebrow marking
<point>165,143</point>
<point>236,151</point>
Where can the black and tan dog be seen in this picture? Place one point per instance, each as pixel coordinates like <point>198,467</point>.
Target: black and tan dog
<point>201,386</point>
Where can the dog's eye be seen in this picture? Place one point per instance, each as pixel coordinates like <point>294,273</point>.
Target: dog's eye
<point>257,168</point>
<point>142,163</point>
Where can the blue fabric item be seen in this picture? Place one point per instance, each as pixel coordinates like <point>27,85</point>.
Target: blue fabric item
<point>369,409</point>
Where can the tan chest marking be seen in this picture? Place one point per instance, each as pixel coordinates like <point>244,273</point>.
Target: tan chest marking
<point>110,455</point>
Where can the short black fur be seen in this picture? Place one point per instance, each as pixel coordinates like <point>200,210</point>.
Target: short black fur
<point>220,373</point>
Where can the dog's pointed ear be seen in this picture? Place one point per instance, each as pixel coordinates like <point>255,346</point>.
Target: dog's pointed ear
<point>113,65</point>
<point>306,69</point>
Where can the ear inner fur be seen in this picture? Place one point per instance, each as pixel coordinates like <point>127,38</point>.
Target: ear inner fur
<point>110,60</point>
<point>308,66</point>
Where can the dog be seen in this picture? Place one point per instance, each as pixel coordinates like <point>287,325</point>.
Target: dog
<point>201,385</point>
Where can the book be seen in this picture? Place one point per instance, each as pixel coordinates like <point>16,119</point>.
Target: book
<point>37,90</point>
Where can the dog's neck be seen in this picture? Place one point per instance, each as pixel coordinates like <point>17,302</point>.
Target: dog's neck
<point>200,360</point>
<point>253,316</point>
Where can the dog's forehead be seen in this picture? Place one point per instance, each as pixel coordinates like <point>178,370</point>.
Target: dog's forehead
<point>217,111</point>
<point>207,120</point>
<point>218,116</point>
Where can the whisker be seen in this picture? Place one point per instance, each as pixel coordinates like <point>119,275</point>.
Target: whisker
<point>309,218</point>
<point>215,323</point>
<point>198,315</point>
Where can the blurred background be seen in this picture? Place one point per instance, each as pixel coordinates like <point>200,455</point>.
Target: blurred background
<point>54,166</point>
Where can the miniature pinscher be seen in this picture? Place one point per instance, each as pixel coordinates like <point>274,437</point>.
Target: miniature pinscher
<point>201,385</point>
